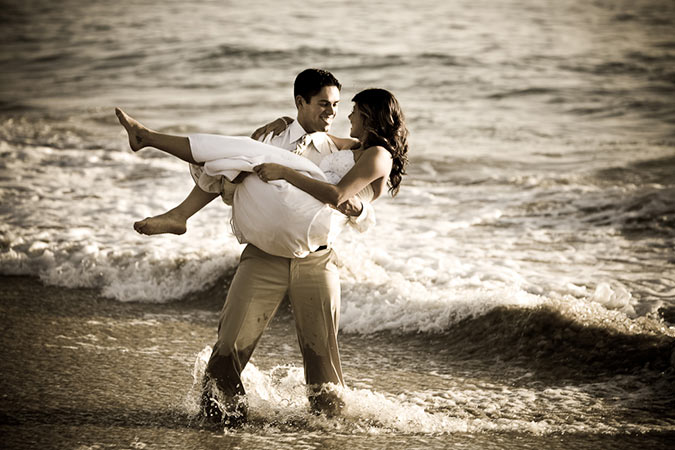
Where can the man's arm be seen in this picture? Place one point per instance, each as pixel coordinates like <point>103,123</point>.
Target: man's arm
<point>375,163</point>
<point>353,208</point>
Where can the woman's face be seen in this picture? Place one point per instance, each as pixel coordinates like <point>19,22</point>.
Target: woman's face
<point>356,119</point>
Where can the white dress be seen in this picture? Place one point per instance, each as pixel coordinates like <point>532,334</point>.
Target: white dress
<point>276,217</point>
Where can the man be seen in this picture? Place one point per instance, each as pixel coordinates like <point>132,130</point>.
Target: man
<point>262,280</point>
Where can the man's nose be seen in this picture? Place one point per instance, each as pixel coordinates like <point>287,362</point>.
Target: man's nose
<point>331,109</point>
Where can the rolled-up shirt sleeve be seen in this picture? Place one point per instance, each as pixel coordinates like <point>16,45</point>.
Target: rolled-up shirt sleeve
<point>365,220</point>
<point>215,184</point>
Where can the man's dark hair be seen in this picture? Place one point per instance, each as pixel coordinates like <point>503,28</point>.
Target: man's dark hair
<point>309,82</point>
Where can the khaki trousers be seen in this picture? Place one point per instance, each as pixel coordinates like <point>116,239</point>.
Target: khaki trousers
<point>258,287</point>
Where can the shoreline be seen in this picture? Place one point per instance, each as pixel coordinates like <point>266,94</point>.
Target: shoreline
<point>80,370</point>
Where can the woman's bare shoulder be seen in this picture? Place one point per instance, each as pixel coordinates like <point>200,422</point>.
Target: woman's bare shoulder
<point>377,151</point>
<point>345,143</point>
<point>377,158</point>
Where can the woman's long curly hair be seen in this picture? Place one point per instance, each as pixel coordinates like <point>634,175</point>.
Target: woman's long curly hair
<point>385,126</point>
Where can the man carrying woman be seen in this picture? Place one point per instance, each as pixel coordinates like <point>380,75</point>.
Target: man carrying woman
<point>362,167</point>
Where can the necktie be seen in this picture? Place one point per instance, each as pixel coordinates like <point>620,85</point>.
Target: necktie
<point>302,144</point>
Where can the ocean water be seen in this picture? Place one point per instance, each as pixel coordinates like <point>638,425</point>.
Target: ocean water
<point>530,254</point>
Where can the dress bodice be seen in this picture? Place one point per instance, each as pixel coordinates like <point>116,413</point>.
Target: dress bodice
<point>337,164</point>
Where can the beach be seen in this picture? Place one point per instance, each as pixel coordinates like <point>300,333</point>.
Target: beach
<point>519,292</point>
<point>81,372</point>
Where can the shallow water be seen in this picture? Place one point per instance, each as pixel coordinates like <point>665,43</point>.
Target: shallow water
<point>85,372</point>
<point>519,290</point>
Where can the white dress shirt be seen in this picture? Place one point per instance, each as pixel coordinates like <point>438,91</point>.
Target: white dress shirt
<point>213,177</point>
<point>321,144</point>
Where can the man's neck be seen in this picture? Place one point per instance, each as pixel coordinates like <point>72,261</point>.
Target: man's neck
<point>306,127</point>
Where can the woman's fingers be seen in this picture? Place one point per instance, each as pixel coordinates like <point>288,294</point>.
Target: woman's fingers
<point>276,127</point>
<point>257,134</point>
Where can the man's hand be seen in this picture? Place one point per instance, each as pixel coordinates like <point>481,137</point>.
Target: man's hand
<point>270,171</point>
<point>351,207</point>
<point>277,127</point>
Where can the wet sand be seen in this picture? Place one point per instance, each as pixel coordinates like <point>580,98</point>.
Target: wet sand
<point>80,371</point>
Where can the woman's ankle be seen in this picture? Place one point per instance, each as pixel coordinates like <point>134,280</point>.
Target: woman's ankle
<point>179,214</point>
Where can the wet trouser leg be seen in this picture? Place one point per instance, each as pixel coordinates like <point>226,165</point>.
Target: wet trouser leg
<point>314,293</point>
<point>259,285</point>
<point>257,289</point>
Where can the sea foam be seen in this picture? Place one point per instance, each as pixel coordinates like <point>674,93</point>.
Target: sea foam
<point>277,399</point>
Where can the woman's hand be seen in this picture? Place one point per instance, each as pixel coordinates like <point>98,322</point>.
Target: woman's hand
<point>277,127</point>
<point>271,171</point>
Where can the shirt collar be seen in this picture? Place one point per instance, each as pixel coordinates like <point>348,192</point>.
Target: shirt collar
<point>295,131</point>
<point>319,138</point>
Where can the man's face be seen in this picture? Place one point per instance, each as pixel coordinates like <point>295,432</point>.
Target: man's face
<point>318,114</point>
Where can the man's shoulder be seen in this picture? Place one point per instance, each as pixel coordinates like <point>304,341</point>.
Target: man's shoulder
<point>324,142</point>
<point>278,140</point>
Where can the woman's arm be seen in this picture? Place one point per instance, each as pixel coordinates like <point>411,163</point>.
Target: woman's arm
<point>276,126</point>
<point>374,164</point>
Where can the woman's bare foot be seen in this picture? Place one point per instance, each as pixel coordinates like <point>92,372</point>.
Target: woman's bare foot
<point>169,222</point>
<point>137,133</point>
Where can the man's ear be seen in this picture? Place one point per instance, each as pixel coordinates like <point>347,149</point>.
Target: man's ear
<point>299,101</point>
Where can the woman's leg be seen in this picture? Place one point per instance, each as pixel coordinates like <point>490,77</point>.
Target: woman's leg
<point>175,220</point>
<point>141,137</point>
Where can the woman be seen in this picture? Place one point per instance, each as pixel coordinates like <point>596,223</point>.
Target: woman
<point>261,203</point>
